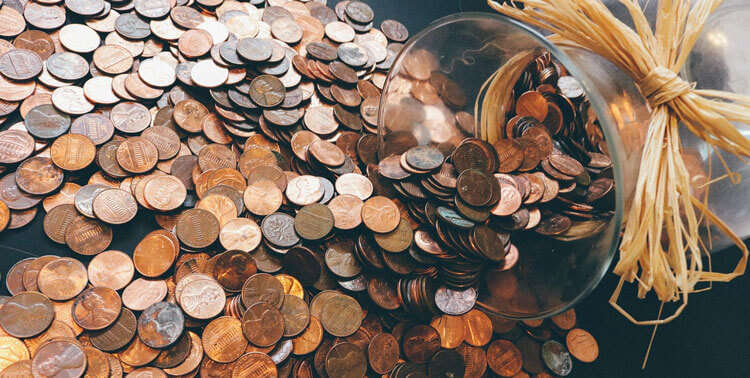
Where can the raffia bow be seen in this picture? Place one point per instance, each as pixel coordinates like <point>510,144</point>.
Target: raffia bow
<point>663,202</point>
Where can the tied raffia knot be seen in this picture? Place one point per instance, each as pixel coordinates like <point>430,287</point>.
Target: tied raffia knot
<point>662,85</point>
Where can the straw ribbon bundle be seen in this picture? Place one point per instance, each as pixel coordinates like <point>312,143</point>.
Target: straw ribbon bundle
<point>661,247</point>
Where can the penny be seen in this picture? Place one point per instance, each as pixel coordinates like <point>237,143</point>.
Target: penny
<point>267,91</point>
<point>254,49</point>
<point>232,268</point>
<point>72,152</point>
<point>504,358</point>
<point>346,211</point>
<point>478,328</point>
<point>191,361</point>
<point>62,279</point>
<point>391,168</point>
<point>254,364</point>
<point>394,30</point>
<point>455,302</point>
<point>510,154</point>
<point>112,59</point>
<point>19,368</point>
<point>304,190</point>
<point>15,146</point>
<point>31,272</point>
<point>138,88</point>
<point>14,278</point>
<point>20,64</point>
<point>137,155</point>
<point>141,293</point>
<point>208,74</point>
<point>37,41</point>
<point>26,314</point>
<point>47,358</point>
<point>327,153</point>
<point>46,122</point>
<point>582,345</point>
<point>341,316</point>
<point>223,340</point>
<point>130,117</point>
<point>38,176</point>
<point>88,236</point>
<point>96,308</point>
<point>296,315</point>
<point>420,343</point>
<point>556,358</point>
<point>286,30</point>
<point>424,158</point>
<point>15,91</point>
<point>383,292</point>
<point>320,120</point>
<point>339,32</point>
<point>137,353</point>
<point>165,193</point>
<point>263,324</point>
<point>155,253</point>
<point>532,104</point>
<point>380,214</point>
<point>189,114</point>
<point>314,221</point>
<point>530,354</point>
<point>112,269</point>
<point>194,43</point>
<point>114,206</point>
<point>566,164</point>
<point>202,298</point>
<point>97,364</point>
<point>346,360</point>
<point>160,325</point>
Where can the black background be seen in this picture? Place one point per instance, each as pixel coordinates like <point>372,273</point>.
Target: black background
<point>710,339</point>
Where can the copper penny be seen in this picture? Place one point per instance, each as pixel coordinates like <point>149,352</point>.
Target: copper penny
<point>304,190</point>
<point>314,221</point>
<point>115,206</point>
<point>155,254</point>
<point>72,152</point>
<point>15,146</point>
<point>141,293</point>
<point>222,207</point>
<point>175,354</point>
<point>189,114</point>
<point>232,268</point>
<point>67,66</point>
<point>262,197</point>
<point>112,59</point>
<point>202,298</point>
<point>532,104</point>
<point>241,234</point>
<point>38,176</point>
<point>97,363</point>
<point>62,279</point>
<point>130,117</point>
<point>47,359</point>
<point>451,330</point>
<point>88,236</point>
<point>96,308</point>
<point>19,368</point>
<point>478,328</point>
<point>193,359</point>
<point>14,278</point>
<point>112,269</point>
<point>383,353</point>
<point>296,315</point>
<point>166,140</point>
<point>341,316</point>
<point>254,364</point>
<point>347,211</point>
<point>36,41</point>
<point>137,155</point>
<point>223,340</point>
<point>161,324</point>
<point>137,353</point>
<point>71,100</point>
<point>195,43</point>
<point>320,120</point>
<point>267,91</point>
<point>26,314</point>
<point>31,272</point>
<point>263,324</point>
<point>135,86</point>
<point>420,343</point>
<point>582,345</point>
<point>5,215</point>
<point>346,360</point>
<point>383,292</point>
<point>504,358</point>
<point>380,214</point>
<point>165,193</point>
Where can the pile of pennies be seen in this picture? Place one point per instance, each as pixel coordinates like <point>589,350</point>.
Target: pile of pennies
<point>283,246</point>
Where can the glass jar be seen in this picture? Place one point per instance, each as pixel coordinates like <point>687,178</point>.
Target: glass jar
<point>551,274</point>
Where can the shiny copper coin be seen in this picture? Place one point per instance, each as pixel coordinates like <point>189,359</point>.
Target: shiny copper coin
<point>88,236</point>
<point>38,176</point>
<point>47,359</point>
<point>223,340</point>
<point>137,353</point>
<point>451,330</point>
<point>15,146</point>
<point>161,324</point>
<point>96,308</point>
<point>478,328</point>
<point>189,114</point>
<point>62,279</point>
<point>165,193</point>
<point>112,59</point>
<point>26,314</point>
<point>582,345</point>
<point>267,91</point>
<point>137,155</point>
<point>202,298</point>
<point>72,152</point>
<point>14,278</point>
<point>254,364</point>
<point>115,206</point>
<point>304,190</point>
<point>263,324</point>
<point>156,253</point>
<point>141,293</point>
<point>4,216</point>
<point>232,268</point>
<point>309,340</point>
<point>380,214</point>
<point>504,358</point>
<point>296,315</point>
<point>347,211</point>
<point>31,273</point>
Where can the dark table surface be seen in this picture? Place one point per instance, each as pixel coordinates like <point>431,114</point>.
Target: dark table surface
<point>710,339</point>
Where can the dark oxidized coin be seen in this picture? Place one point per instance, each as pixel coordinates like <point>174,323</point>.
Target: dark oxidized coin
<point>424,158</point>
<point>278,228</point>
<point>476,187</point>
<point>553,224</point>
<point>20,64</point>
<point>556,358</point>
<point>46,122</point>
<point>446,363</point>
<point>161,324</point>
<point>267,91</point>
<point>254,49</point>
<point>353,54</point>
<point>176,354</point>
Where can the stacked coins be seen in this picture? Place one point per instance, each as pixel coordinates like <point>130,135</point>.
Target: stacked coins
<point>284,246</point>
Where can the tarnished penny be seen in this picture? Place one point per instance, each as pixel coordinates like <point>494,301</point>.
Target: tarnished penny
<point>20,64</point>
<point>96,308</point>
<point>161,324</point>
<point>383,353</point>
<point>341,316</point>
<point>420,343</point>
<point>38,176</point>
<point>504,358</point>
<point>346,360</point>
<point>130,117</point>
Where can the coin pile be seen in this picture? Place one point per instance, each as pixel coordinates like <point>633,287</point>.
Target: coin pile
<point>245,130</point>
